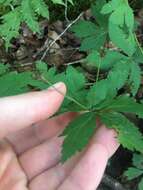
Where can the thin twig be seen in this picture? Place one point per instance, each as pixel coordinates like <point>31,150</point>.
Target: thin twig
<point>75,62</point>
<point>58,37</point>
<point>138,44</point>
<point>66,11</point>
<point>98,71</point>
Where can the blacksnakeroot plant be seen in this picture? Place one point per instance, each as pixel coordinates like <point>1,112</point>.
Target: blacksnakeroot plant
<point>111,97</point>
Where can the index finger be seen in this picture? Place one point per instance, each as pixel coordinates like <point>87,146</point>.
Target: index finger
<point>21,111</point>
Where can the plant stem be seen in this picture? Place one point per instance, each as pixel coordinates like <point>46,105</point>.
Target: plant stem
<point>66,96</point>
<point>138,44</point>
<point>98,71</point>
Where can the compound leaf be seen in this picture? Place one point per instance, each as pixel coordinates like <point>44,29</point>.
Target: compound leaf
<point>77,134</point>
<point>128,134</point>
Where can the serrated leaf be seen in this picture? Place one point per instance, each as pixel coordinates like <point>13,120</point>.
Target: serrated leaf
<point>125,104</point>
<point>138,161</point>
<point>101,19</point>
<point>138,55</point>
<point>118,76</point>
<point>14,83</point>
<point>121,13</point>
<point>11,25</point>
<point>41,67</point>
<point>94,59</point>
<point>107,62</point>
<point>135,78</point>
<point>95,42</point>
<point>125,41</point>
<point>40,7</point>
<point>84,29</point>
<point>128,134</point>
<point>77,134</point>
<point>74,80</point>
<point>133,173</point>
<point>75,83</point>
<point>97,93</point>
<point>29,16</point>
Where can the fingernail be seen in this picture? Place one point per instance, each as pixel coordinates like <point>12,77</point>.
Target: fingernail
<point>56,86</point>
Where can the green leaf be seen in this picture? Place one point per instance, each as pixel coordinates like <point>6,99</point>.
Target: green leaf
<point>14,83</point>
<point>41,67</point>
<point>128,134</point>
<point>94,59</point>
<point>107,89</point>
<point>121,13</point>
<point>133,173</point>
<point>125,104</point>
<point>118,76</point>
<point>40,7</point>
<point>110,6</point>
<point>140,186</point>
<point>125,41</point>
<point>84,29</point>
<point>93,36</point>
<point>107,62</point>
<point>138,55</point>
<point>135,78</point>
<point>75,83</point>
<point>10,26</point>
<point>29,16</point>
<point>77,134</point>
<point>97,93</point>
<point>101,19</point>
<point>75,80</point>
<point>138,161</point>
<point>95,42</point>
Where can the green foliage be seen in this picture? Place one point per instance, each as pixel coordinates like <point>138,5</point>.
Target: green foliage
<point>23,11</point>
<point>136,170</point>
<point>83,127</point>
<point>111,96</point>
<point>128,134</point>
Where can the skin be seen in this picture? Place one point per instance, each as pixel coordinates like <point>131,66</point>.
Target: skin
<point>30,147</point>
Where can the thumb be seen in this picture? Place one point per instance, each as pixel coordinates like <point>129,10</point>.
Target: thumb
<point>21,111</point>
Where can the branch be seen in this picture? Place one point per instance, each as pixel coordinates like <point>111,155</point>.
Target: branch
<point>58,37</point>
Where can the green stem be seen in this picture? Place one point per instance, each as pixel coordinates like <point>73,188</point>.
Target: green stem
<point>138,44</point>
<point>98,71</point>
<point>66,96</point>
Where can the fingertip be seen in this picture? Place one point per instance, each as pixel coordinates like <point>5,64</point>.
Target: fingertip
<point>108,138</point>
<point>59,87</point>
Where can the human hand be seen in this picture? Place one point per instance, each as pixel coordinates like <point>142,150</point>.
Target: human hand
<point>30,156</point>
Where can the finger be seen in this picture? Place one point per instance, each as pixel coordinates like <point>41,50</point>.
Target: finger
<point>89,170</point>
<point>38,133</point>
<point>24,110</point>
<point>11,174</point>
<point>45,155</point>
<point>53,177</point>
<point>41,157</point>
